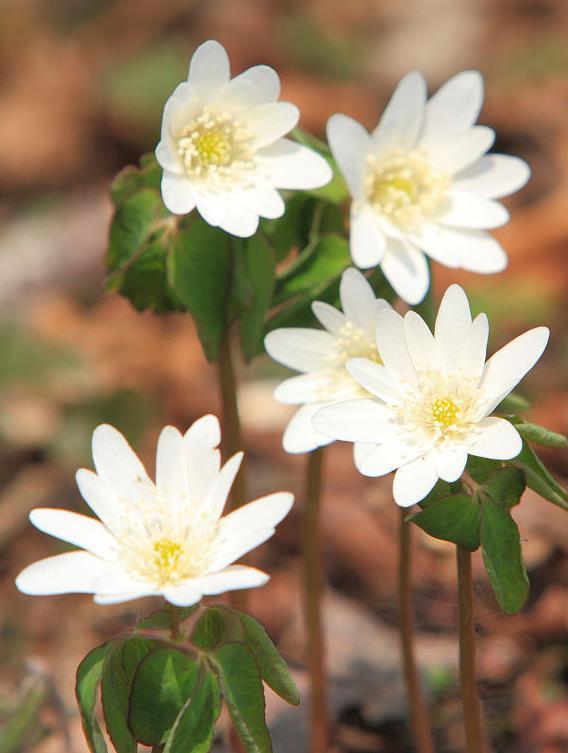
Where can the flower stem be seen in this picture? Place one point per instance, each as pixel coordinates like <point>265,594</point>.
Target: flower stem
<point>313,578</point>
<point>231,436</point>
<point>175,631</point>
<point>421,727</point>
<point>475,739</point>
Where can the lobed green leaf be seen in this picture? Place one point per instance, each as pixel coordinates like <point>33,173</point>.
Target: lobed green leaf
<point>455,518</point>
<point>260,268</point>
<point>88,678</point>
<point>194,729</point>
<point>133,223</point>
<point>506,486</point>
<point>538,478</point>
<point>161,619</point>
<point>217,625</point>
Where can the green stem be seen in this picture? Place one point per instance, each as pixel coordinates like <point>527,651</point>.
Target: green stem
<point>421,727</point>
<point>475,738</point>
<point>313,583</point>
<point>231,436</point>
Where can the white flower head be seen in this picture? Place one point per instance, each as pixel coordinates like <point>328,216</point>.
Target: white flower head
<point>432,397</point>
<point>155,538</point>
<point>321,354</point>
<point>222,149</point>
<point>422,183</point>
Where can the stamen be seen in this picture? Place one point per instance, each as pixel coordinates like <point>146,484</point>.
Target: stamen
<point>445,412</point>
<point>337,382</point>
<point>405,188</point>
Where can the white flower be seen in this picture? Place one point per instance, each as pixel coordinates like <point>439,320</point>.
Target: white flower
<point>322,354</point>
<point>222,148</point>
<point>432,398</point>
<point>421,182</point>
<point>164,538</point>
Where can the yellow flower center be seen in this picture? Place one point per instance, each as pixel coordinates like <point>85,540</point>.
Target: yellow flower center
<point>216,148</point>
<point>405,188</point>
<point>445,412</point>
<point>167,555</point>
<point>337,383</point>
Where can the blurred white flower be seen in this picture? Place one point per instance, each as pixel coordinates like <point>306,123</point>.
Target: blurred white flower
<point>421,182</point>
<point>222,149</point>
<point>431,398</point>
<point>322,354</point>
<point>164,538</point>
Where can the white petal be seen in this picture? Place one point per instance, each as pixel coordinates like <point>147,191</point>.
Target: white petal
<point>171,479</point>
<point>358,300</point>
<point>269,122</point>
<point>240,222</point>
<point>218,493</point>
<point>440,243</point>
<point>287,164</point>
<point>495,438</point>
<point>493,176</point>
<point>118,585</point>
<point>264,201</point>
<point>450,463</point>
<point>422,346</point>
<point>361,451</point>
<point>505,369</point>
<point>80,530</point>
<point>209,68</point>
<point>258,516</point>
<point>306,388</point>
<point>117,463</point>
<point>330,317</point>
<point>168,158</point>
<point>350,144</point>
<point>392,345</point>
<point>404,114</point>
<point>300,436</point>
<point>453,324</point>
<point>264,80</point>
<point>361,420</point>
<point>406,269</point>
<point>480,252</point>
<point>184,104</point>
<point>233,578</point>
<point>413,481</point>
<point>212,207</point>
<point>387,457</point>
<point>367,242</point>
<point>472,360</point>
<point>99,495</point>
<point>177,193</point>
<point>455,106</point>
<point>375,378</point>
<point>461,149</point>
<point>72,572</point>
<point>202,457</point>
<point>469,211</point>
<point>300,348</point>
<point>186,594</point>
<point>122,597</point>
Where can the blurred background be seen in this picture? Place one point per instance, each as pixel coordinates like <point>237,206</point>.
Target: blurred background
<point>83,83</point>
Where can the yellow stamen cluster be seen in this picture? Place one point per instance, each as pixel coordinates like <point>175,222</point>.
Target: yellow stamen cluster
<point>216,148</point>
<point>445,412</point>
<point>404,188</point>
<point>350,342</point>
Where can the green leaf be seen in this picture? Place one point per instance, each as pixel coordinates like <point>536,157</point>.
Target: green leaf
<point>200,273</point>
<point>324,261</point>
<point>242,690</point>
<point>162,684</point>
<point>194,728</point>
<point>131,227</point>
<point>481,469</point>
<point>293,228</point>
<point>145,282</point>
<point>441,490</point>
<point>89,675</point>
<point>538,478</point>
<point>216,625</point>
<point>260,270</point>
<point>540,435</point>
<point>273,668</point>
<point>119,669</point>
<point>161,619</point>
<point>501,547</point>
<point>512,404</point>
<point>455,518</point>
<point>506,486</point>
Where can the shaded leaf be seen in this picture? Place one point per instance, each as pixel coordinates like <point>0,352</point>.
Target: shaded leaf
<point>538,478</point>
<point>119,668</point>
<point>131,227</point>
<point>260,270</point>
<point>506,486</point>
<point>161,619</point>
<point>89,673</point>
<point>481,469</point>
<point>273,668</point>
<point>194,728</point>
<point>216,625</point>
<point>145,282</point>
<point>455,518</point>
<point>243,692</point>
<point>324,260</point>
<point>293,228</point>
<point>512,404</point>
<point>161,686</point>
<point>501,547</point>
<point>200,273</point>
